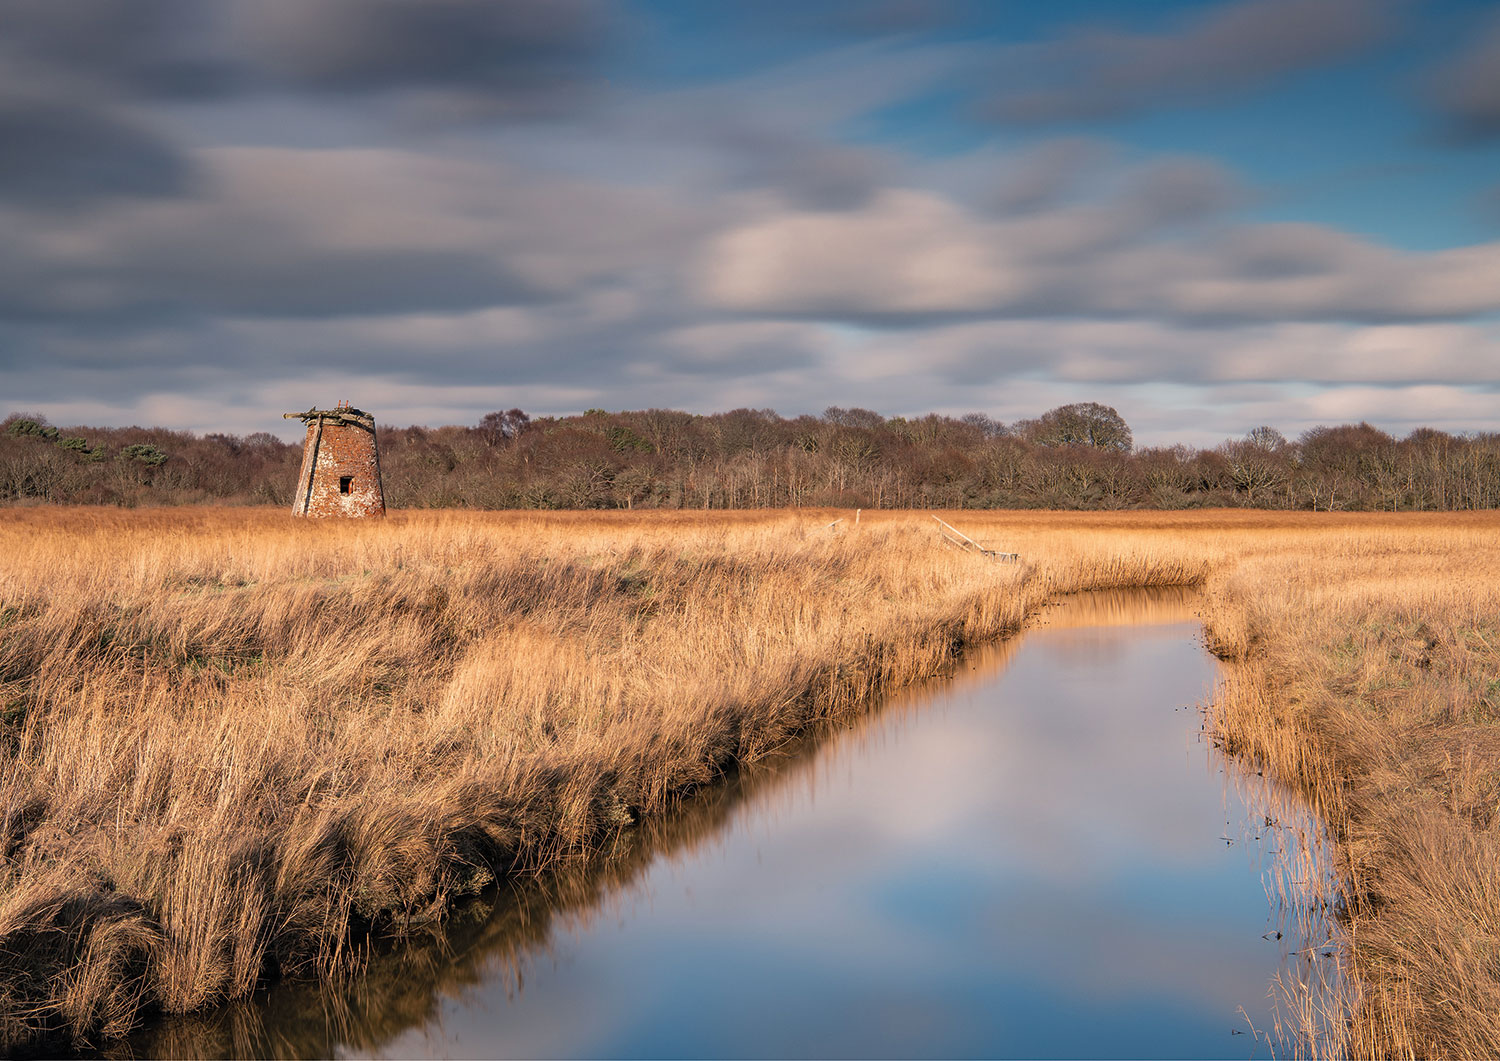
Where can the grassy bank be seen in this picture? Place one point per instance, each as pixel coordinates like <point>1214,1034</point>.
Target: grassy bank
<point>234,742</point>
<point>1367,671</point>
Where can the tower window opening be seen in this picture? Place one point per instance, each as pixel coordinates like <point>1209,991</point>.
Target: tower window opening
<point>346,483</point>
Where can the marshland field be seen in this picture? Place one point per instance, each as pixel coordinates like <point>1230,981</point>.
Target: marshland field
<point>237,746</point>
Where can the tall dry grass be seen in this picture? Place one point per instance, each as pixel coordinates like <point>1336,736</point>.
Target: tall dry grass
<point>1368,672</point>
<point>235,743</point>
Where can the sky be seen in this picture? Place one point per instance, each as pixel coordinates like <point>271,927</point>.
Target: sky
<point>1209,215</point>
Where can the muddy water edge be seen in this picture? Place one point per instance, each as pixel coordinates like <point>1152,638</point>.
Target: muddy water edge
<point>1038,855</point>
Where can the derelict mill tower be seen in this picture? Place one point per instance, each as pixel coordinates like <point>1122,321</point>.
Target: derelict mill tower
<point>340,465</point>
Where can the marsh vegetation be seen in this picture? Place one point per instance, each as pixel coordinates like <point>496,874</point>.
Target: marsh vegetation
<point>996,862</point>
<point>236,745</point>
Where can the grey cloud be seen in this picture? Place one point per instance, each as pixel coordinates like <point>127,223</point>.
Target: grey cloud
<point>843,20</point>
<point>1136,352</point>
<point>1180,190</point>
<point>280,232</point>
<point>598,343</point>
<point>772,131</point>
<point>62,153</point>
<point>515,50</point>
<point>1291,375</point>
<point>39,350</point>
<point>913,257</point>
<point>769,131</point>
<point>1047,174</point>
<point>1467,90</point>
<point>1103,73</point>
<point>318,281</point>
<point>811,173</point>
<point>77,77</point>
<point>1287,252</point>
<point>565,358</point>
<point>1308,272</point>
<point>1063,173</point>
<point>71,73</point>
<point>817,92</point>
<point>740,349</point>
<point>187,356</point>
<point>522,56</point>
<point>145,48</point>
<point>190,275</point>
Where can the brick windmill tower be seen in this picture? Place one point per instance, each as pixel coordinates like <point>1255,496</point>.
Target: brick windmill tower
<point>340,466</point>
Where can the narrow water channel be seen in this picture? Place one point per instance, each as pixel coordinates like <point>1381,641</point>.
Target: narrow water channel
<point>1039,856</point>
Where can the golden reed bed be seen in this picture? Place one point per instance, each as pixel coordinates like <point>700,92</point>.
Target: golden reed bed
<point>234,743</point>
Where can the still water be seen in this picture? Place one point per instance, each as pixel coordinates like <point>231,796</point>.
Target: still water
<point>1038,856</point>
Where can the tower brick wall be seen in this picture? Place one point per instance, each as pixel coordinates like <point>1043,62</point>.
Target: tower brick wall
<point>340,473</point>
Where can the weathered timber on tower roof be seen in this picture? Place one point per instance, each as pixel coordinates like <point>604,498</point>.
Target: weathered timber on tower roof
<point>344,415</point>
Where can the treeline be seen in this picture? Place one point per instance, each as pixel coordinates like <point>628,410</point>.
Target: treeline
<point>1076,456</point>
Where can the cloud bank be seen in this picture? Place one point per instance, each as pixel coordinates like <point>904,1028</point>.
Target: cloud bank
<point>449,206</point>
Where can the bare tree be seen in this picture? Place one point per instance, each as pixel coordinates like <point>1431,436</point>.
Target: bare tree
<point>1080,424</point>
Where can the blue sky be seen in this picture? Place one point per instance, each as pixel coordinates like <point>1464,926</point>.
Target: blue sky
<point>1210,215</point>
